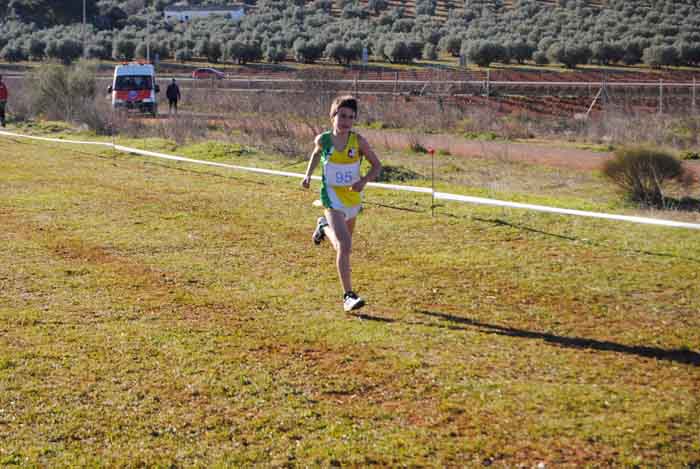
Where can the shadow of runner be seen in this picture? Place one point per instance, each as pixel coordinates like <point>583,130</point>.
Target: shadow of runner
<point>368,317</point>
<point>687,357</point>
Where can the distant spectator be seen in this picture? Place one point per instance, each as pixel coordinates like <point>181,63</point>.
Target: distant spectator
<point>3,101</point>
<point>173,94</point>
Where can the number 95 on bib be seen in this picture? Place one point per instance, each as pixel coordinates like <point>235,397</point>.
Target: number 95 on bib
<point>342,174</point>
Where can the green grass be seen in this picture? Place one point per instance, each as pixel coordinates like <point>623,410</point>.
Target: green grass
<point>161,314</point>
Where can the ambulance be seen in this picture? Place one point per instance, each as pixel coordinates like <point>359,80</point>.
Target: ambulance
<point>134,87</point>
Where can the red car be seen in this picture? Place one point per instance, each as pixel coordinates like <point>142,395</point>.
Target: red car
<point>210,73</point>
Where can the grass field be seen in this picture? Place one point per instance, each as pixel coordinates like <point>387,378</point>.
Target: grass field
<point>168,315</point>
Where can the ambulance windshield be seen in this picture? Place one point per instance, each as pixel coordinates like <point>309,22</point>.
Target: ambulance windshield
<point>133,82</point>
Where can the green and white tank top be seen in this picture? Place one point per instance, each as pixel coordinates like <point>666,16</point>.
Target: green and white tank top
<point>341,169</point>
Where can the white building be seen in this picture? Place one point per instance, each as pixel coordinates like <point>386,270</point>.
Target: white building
<point>187,13</point>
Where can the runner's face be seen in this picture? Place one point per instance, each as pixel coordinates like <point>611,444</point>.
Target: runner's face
<point>343,120</point>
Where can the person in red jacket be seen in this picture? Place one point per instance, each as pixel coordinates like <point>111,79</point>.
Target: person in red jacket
<point>3,101</point>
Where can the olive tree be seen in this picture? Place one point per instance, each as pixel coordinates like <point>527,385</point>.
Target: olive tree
<point>569,54</point>
<point>484,52</point>
<point>659,56</point>
<point>123,49</point>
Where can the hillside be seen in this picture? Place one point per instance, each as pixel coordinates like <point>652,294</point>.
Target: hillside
<point>485,31</point>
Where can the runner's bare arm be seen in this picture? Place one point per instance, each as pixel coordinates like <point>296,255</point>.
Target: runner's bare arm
<point>373,159</point>
<point>313,162</point>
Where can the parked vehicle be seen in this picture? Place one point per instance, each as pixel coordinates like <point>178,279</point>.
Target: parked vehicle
<point>210,73</point>
<point>134,87</point>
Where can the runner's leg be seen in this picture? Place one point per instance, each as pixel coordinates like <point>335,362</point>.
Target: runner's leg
<point>340,237</point>
<point>328,231</point>
<point>351,225</point>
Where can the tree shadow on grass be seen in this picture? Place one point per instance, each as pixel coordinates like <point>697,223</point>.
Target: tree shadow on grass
<point>687,357</point>
<point>501,222</point>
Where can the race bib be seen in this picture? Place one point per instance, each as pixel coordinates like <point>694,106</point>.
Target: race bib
<point>342,174</point>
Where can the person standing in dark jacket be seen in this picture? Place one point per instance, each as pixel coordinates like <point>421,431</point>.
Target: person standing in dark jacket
<point>173,95</point>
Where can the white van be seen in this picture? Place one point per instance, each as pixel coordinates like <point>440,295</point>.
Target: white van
<point>134,87</point>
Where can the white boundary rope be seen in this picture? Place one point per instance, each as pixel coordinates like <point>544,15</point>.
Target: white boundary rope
<point>424,190</point>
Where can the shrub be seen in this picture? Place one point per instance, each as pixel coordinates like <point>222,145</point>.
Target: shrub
<point>690,155</point>
<point>397,174</point>
<point>66,93</point>
<point>643,173</point>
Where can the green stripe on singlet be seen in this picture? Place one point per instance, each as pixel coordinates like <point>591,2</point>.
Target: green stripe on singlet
<point>326,151</point>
